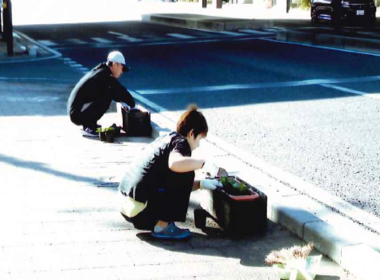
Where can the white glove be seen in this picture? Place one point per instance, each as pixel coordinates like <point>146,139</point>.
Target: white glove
<point>125,105</point>
<point>211,169</point>
<point>210,184</point>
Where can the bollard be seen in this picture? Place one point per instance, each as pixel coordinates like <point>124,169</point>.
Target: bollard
<point>337,15</point>
<point>8,27</point>
<point>1,17</point>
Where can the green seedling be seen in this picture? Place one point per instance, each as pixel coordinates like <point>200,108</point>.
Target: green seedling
<point>234,187</point>
<point>109,129</point>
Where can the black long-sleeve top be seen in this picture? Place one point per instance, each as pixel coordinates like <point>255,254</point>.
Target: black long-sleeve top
<point>98,84</point>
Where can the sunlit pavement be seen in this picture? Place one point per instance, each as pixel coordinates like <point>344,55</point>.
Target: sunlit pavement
<point>30,156</point>
<point>71,11</point>
<point>59,210</point>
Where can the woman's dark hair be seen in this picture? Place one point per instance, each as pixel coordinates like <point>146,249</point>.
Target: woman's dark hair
<point>192,119</point>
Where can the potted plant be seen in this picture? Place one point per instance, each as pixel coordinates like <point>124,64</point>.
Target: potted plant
<point>117,130</point>
<point>238,208</point>
<point>235,187</point>
<point>110,134</point>
<point>102,134</point>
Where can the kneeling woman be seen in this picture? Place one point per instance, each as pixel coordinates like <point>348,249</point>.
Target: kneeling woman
<point>155,191</point>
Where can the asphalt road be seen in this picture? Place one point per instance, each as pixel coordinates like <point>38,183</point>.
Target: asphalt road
<point>312,112</point>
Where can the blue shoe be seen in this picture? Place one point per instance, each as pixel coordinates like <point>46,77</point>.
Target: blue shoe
<point>89,132</point>
<point>172,232</point>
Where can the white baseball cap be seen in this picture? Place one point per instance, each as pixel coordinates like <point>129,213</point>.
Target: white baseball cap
<point>118,57</point>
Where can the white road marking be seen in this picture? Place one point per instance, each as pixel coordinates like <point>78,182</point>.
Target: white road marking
<point>102,40</point>
<point>320,47</point>
<point>129,39</point>
<point>229,33</point>
<point>344,89</point>
<point>77,65</point>
<point>260,85</point>
<point>369,33</point>
<point>76,41</point>
<point>180,36</point>
<point>35,79</point>
<point>137,95</point>
<point>256,32</point>
<point>47,43</point>
<point>116,33</point>
<point>275,29</point>
<point>37,99</point>
<point>195,41</point>
<point>84,69</point>
<point>125,37</point>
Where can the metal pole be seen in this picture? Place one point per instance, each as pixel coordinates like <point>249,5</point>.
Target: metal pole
<point>337,15</point>
<point>8,27</point>
<point>1,18</point>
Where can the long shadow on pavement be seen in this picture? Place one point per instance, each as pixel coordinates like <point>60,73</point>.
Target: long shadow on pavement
<point>40,167</point>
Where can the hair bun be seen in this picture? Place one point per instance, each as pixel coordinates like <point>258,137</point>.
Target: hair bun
<point>192,107</point>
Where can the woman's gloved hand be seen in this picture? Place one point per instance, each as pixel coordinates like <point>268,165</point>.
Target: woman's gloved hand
<point>213,170</point>
<point>210,184</point>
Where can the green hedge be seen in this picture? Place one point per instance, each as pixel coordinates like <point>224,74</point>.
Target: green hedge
<point>304,4</point>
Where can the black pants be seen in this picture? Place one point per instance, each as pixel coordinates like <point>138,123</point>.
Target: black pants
<point>169,205</point>
<point>91,114</point>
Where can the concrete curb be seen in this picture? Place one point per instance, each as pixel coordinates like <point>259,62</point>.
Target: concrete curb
<point>308,219</point>
<point>209,23</point>
<point>41,49</point>
<point>33,50</point>
<point>330,40</point>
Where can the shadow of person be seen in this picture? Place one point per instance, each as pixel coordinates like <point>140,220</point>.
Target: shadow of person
<point>214,243</point>
<point>326,277</point>
<point>124,138</point>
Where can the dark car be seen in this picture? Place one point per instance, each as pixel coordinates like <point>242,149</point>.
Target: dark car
<point>352,11</point>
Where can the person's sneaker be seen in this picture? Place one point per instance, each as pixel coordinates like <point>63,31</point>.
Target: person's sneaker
<point>172,232</point>
<point>89,132</point>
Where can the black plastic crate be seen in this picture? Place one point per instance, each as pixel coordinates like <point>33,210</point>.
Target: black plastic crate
<point>136,122</point>
<point>236,215</point>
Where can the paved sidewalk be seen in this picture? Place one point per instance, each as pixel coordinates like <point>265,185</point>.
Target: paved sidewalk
<point>58,204</point>
<point>59,210</point>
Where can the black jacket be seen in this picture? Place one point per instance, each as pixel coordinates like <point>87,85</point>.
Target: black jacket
<point>98,85</point>
<point>151,173</point>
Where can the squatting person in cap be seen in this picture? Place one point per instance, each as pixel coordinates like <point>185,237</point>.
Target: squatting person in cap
<point>155,191</point>
<point>93,94</point>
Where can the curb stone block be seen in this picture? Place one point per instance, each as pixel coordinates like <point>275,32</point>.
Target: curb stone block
<point>360,44</point>
<point>282,35</point>
<point>303,37</point>
<point>361,260</point>
<point>329,40</point>
<point>292,217</point>
<point>328,239</point>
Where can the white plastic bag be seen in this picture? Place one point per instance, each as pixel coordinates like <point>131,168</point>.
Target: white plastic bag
<point>299,269</point>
